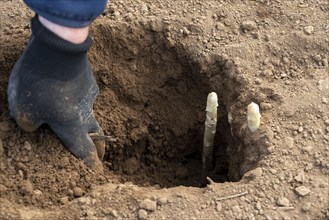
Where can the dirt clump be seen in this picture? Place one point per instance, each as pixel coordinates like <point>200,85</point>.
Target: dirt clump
<point>155,63</point>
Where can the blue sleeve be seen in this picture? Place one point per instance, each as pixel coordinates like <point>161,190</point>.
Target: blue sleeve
<point>70,13</point>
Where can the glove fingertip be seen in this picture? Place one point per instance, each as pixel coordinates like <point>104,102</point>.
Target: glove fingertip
<point>93,162</point>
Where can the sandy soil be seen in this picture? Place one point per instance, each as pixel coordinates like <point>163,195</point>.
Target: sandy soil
<point>155,62</point>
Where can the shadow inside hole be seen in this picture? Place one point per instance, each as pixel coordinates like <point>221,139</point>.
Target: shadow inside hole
<point>183,168</point>
<point>152,98</point>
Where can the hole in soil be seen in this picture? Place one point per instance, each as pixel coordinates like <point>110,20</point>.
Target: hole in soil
<point>152,98</point>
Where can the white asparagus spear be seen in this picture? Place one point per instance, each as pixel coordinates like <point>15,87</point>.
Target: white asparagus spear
<point>253,117</point>
<point>210,130</point>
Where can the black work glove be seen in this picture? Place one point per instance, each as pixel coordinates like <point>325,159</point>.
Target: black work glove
<point>52,83</point>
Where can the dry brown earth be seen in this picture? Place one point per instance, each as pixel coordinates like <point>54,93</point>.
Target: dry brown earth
<point>155,62</point>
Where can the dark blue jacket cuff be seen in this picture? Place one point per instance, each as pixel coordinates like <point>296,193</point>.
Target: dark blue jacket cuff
<point>69,13</point>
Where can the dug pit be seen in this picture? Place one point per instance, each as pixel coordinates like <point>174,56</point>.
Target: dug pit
<point>153,91</point>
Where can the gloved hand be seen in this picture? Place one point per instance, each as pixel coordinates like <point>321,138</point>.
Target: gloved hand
<point>52,83</point>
